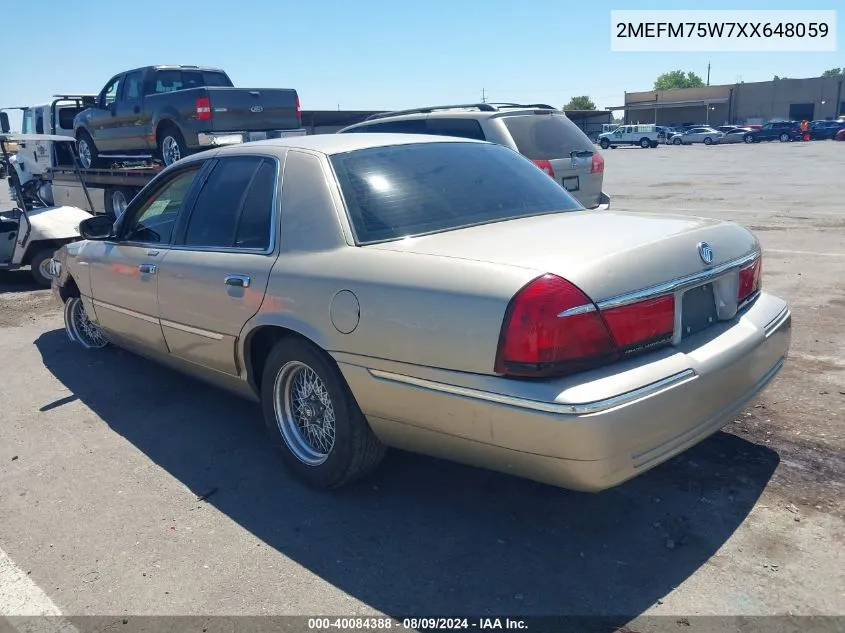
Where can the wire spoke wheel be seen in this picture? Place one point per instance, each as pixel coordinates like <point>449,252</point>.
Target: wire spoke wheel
<point>304,413</point>
<point>80,329</point>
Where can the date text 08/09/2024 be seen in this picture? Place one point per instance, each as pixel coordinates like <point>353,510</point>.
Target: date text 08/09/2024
<point>415,624</point>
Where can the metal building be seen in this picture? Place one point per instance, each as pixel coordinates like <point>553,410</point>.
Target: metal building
<point>741,103</point>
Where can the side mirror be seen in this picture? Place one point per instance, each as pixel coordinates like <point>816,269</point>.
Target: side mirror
<point>100,227</point>
<point>4,123</point>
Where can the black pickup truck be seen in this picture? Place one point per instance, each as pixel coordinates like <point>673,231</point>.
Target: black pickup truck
<point>168,112</point>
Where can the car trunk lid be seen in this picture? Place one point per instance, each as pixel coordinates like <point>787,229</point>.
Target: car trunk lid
<point>605,254</point>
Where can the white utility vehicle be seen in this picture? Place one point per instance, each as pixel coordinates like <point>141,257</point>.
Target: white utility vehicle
<point>643,135</point>
<point>30,234</point>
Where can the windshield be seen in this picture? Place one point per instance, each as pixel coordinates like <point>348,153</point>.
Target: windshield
<point>547,136</point>
<point>409,190</point>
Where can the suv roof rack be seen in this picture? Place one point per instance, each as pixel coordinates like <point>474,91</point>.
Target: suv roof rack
<point>482,107</point>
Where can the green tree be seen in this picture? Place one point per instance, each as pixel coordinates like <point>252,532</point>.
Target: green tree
<point>580,103</point>
<point>678,79</point>
<point>833,72</point>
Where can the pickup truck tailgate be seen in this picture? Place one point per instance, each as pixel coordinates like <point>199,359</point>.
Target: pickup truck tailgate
<point>244,109</point>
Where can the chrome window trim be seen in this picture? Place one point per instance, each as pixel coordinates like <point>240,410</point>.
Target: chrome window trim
<point>580,408</point>
<point>681,283</point>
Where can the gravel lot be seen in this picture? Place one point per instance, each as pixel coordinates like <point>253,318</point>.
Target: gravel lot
<point>104,458</point>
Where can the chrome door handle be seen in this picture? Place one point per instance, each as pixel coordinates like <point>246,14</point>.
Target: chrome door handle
<point>149,269</point>
<point>238,281</point>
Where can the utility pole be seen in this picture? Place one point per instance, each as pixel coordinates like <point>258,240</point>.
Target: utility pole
<point>483,96</point>
<point>708,73</point>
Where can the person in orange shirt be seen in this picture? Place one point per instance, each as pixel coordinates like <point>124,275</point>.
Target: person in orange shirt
<point>805,129</point>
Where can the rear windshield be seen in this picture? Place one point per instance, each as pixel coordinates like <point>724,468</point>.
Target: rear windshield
<point>408,190</point>
<point>170,80</point>
<point>546,137</point>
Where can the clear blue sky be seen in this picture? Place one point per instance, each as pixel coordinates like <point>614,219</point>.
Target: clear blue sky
<point>375,54</point>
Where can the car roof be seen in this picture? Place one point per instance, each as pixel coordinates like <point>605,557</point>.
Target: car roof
<point>339,143</point>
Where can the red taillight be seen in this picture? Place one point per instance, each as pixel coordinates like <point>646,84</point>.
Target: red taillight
<point>203,108</point>
<point>546,166</point>
<point>552,328</point>
<point>298,108</point>
<point>639,325</point>
<point>597,166</point>
<point>749,279</point>
<point>536,340</point>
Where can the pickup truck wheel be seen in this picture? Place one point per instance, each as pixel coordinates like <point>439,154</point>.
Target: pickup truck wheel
<point>172,146</point>
<point>604,143</point>
<point>311,413</point>
<point>644,142</point>
<point>116,200</point>
<point>89,157</point>
<point>40,267</point>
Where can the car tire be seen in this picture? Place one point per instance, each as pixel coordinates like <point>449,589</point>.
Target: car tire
<point>644,143</point>
<point>116,200</point>
<point>653,144</point>
<point>37,265</point>
<point>708,140</point>
<point>784,138</point>
<point>352,450</point>
<point>604,143</point>
<point>171,145</point>
<point>748,138</point>
<point>79,327</point>
<point>676,141</point>
<point>89,155</point>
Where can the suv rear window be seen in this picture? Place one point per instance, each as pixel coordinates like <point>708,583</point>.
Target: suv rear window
<point>546,136</point>
<point>408,190</point>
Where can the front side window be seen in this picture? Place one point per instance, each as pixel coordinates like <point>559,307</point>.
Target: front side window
<point>154,221</point>
<point>132,87</point>
<point>234,207</point>
<point>110,92</point>
<point>407,190</point>
<point>28,122</point>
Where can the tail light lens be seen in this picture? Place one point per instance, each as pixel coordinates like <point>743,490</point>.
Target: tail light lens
<point>546,166</point>
<point>552,328</point>
<point>642,325</point>
<point>597,166</point>
<point>203,108</point>
<point>298,108</point>
<point>538,337</point>
<point>750,279</point>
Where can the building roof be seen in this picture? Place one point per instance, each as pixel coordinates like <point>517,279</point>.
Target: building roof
<point>651,105</point>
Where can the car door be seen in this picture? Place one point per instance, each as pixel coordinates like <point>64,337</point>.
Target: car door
<point>129,133</point>
<point>767,132</point>
<point>124,271</point>
<point>101,118</point>
<point>215,274</point>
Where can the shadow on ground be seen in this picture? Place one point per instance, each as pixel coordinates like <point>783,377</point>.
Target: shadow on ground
<point>426,536</point>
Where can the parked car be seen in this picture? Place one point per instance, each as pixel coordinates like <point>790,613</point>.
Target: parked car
<point>783,131</point>
<point>736,135</point>
<point>169,112</point>
<point>538,131</point>
<point>645,136</point>
<point>825,130</point>
<point>706,135</point>
<point>840,135</point>
<point>440,295</point>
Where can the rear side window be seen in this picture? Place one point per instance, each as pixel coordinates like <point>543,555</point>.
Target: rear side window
<point>464,128</point>
<point>405,190</point>
<point>66,116</point>
<point>546,137</point>
<point>411,126</point>
<point>234,206</point>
